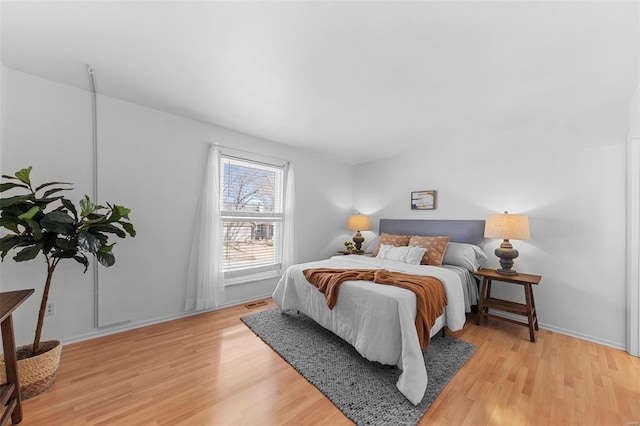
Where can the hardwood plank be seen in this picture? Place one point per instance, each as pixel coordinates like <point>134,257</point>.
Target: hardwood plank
<point>210,369</point>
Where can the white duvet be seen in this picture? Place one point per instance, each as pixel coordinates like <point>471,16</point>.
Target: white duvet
<point>378,320</point>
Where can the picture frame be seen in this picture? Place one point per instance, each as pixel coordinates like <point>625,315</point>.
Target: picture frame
<point>424,200</point>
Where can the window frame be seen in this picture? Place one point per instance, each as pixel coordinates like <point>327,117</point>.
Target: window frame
<point>274,269</point>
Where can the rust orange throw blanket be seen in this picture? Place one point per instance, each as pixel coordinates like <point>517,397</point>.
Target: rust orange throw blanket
<point>430,295</point>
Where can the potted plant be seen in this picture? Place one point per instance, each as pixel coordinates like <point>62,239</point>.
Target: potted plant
<point>41,220</point>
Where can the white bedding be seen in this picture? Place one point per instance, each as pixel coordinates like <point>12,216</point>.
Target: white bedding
<point>469,286</point>
<point>378,320</point>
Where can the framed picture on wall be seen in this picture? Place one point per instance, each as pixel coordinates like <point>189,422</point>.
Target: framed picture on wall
<point>423,200</point>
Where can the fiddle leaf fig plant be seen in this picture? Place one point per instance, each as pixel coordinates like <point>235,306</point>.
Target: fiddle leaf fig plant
<point>41,220</point>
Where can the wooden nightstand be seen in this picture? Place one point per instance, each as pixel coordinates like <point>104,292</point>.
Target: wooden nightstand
<point>487,302</point>
<point>10,392</point>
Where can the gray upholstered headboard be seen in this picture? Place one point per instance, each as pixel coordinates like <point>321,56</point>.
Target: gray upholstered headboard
<point>459,231</point>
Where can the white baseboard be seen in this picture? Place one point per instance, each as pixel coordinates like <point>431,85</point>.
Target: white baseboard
<point>139,324</point>
<point>587,337</point>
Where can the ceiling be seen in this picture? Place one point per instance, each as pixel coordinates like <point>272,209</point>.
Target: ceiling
<point>356,80</point>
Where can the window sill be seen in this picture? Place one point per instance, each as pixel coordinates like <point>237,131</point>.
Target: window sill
<point>250,278</point>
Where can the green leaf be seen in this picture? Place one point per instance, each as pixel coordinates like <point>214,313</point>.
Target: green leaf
<point>23,175</point>
<point>8,242</point>
<point>57,221</point>
<point>129,228</point>
<point>44,185</point>
<point>54,190</point>
<point>111,229</point>
<point>81,258</point>
<point>28,253</point>
<point>86,206</point>
<point>60,216</point>
<point>10,223</point>
<point>30,213</point>
<point>66,244</point>
<point>91,242</point>
<point>124,211</point>
<point>43,202</point>
<point>69,205</point>
<point>118,212</point>
<point>12,201</point>
<point>9,185</point>
<point>115,214</point>
<point>9,218</point>
<point>107,248</point>
<point>105,259</point>
<point>94,219</point>
<point>36,231</point>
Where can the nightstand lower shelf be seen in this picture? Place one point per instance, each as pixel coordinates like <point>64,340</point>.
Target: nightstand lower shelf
<point>505,305</point>
<point>511,307</point>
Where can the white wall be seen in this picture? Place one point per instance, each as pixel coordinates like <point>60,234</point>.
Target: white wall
<point>568,177</point>
<point>151,162</point>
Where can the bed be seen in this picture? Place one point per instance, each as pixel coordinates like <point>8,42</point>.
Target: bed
<point>379,320</point>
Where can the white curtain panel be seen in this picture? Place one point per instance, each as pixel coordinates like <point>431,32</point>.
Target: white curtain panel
<point>288,244</point>
<point>205,279</point>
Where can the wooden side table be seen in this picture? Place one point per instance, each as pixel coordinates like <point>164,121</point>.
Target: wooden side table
<point>487,302</point>
<point>10,392</point>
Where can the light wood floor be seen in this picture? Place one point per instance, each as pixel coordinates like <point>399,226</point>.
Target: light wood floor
<point>210,369</point>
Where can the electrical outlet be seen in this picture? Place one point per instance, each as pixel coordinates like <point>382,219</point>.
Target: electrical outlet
<point>51,308</point>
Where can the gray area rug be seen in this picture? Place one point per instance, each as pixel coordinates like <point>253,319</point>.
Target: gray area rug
<point>364,391</point>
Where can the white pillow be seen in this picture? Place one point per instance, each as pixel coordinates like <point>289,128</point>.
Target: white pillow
<point>405,254</point>
<point>468,256</point>
<point>371,245</point>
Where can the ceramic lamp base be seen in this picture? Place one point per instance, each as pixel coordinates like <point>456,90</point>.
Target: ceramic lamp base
<point>358,239</point>
<point>506,253</point>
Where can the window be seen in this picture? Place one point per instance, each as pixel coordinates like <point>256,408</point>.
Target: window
<point>251,208</point>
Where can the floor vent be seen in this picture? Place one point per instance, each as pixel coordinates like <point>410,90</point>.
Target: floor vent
<point>253,305</point>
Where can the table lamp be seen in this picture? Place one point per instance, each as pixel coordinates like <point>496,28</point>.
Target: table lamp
<point>358,222</point>
<point>508,227</point>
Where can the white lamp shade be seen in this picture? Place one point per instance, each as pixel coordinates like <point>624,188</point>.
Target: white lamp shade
<point>358,222</point>
<point>507,226</point>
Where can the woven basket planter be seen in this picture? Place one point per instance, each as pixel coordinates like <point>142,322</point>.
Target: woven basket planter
<point>37,373</point>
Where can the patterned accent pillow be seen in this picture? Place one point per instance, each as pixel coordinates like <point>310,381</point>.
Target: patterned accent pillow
<point>391,240</point>
<point>436,246</point>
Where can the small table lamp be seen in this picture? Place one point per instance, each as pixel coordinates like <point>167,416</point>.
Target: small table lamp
<point>508,227</point>
<point>358,223</point>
